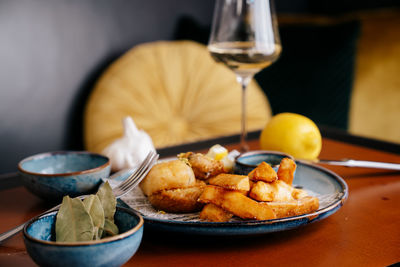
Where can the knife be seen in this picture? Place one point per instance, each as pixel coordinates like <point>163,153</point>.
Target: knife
<point>358,163</point>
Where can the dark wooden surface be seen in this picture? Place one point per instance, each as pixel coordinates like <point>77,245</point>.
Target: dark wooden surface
<point>364,232</point>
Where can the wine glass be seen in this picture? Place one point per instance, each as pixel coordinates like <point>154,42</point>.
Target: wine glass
<point>245,38</point>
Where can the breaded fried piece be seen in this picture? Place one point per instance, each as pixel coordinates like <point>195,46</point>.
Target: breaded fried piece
<point>276,191</point>
<point>236,203</point>
<point>261,191</point>
<point>168,175</point>
<point>299,193</point>
<point>295,207</point>
<point>286,170</point>
<point>203,166</point>
<point>252,183</point>
<point>181,200</point>
<point>263,172</point>
<point>213,213</point>
<point>231,181</point>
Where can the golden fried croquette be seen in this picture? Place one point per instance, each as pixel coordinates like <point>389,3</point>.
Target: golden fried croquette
<point>236,203</point>
<point>263,172</point>
<point>231,181</point>
<point>180,200</point>
<point>203,166</point>
<point>168,175</point>
<point>299,193</point>
<point>276,191</point>
<point>301,206</point>
<point>286,170</point>
<point>213,213</point>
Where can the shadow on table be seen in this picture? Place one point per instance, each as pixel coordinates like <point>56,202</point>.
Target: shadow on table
<point>180,241</point>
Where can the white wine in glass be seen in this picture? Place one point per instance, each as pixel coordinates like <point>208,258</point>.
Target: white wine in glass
<point>245,38</point>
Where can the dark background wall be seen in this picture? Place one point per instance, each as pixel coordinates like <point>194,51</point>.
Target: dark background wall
<point>51,53</point>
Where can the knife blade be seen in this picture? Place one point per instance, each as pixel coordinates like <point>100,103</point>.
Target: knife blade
<point>358,163</point>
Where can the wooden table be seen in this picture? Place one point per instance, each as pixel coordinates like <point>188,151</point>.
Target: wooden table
<point>364,232</point>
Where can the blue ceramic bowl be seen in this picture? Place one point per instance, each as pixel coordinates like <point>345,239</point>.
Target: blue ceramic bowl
<point>39,236</point>
<point>247,161</point>
<point>56,174</point>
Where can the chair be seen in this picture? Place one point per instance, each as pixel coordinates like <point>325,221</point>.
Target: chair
<point>172,90</point>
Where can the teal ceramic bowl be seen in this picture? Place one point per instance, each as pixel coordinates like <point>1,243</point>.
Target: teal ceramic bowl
<point>39,238</point>
<point>247,161</point>
<point>56,174</point>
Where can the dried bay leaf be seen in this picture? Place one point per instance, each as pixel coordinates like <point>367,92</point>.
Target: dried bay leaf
<point>108,201</point>
<point>73,222</point>
<point>110,228</point>
<point>89,219</point>
<point>95,209</point>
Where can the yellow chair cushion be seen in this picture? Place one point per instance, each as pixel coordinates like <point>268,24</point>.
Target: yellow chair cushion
<point>175,92</point>
<point>375,105</point>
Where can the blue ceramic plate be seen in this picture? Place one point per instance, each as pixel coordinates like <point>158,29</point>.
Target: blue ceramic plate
<point>331,190</point>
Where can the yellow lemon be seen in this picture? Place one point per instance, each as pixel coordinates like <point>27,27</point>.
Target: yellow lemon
<point>293,134</point>
<point>217,152</point>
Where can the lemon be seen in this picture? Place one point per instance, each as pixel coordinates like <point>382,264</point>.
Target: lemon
<point>221,154</point>
<point>217,152</point>
<point>293,134</point>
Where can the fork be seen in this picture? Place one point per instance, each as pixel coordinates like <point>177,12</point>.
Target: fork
<point>119,191</point>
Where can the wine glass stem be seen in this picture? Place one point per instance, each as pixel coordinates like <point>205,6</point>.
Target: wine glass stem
<point>244,81</point>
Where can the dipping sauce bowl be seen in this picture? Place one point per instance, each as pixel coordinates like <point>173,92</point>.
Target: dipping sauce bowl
<point>56,174</point>
<point>247,161</point>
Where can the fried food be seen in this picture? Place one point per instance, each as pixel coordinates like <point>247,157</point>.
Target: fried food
<point>231,181</point>
<point>276,191</point>
<point>168,175</point>
<point>295,207</point>
<point>179,186</point>
<point>263,172</point>
<point>180,200</point>
<point>236,203</point>
<point>203,166</point>
<point>299,193</point>
<point>213,213</point>
<point>261,191</point>
<point>286,170</point>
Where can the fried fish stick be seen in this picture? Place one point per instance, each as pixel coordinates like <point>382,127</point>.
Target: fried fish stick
<point>231,181</point>
<point>295,207</point>
<point>276,191</point>
<point>263,172</point>
<point>286,170</point>
<point>203,166</point>
<point>236,203</point>
<point>213,213</point>
<point>180,200</point>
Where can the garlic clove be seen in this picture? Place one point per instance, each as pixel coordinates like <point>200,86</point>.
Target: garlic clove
<point>131,149</point>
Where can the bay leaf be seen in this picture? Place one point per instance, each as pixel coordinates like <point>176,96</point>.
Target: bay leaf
<point>95,209</point>
<point>108,200</point>
<point>73,222</point>
<point>110,228</point>
<point>97,233</point>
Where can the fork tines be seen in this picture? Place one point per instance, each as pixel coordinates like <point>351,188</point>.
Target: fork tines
<point>137,176</point>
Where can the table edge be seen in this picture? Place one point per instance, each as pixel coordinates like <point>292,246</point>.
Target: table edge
<point>10,180</point>
<point>326,132</point>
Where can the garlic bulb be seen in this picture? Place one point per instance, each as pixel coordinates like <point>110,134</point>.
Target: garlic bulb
<point>131,149</point>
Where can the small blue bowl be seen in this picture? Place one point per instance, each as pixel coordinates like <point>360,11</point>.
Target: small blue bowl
<point>247,161</point>
<point>56,174</point>
<point>39,238</point>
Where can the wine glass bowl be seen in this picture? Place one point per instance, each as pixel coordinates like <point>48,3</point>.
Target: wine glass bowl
<point>245,38</point>
<point>243,57</point>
